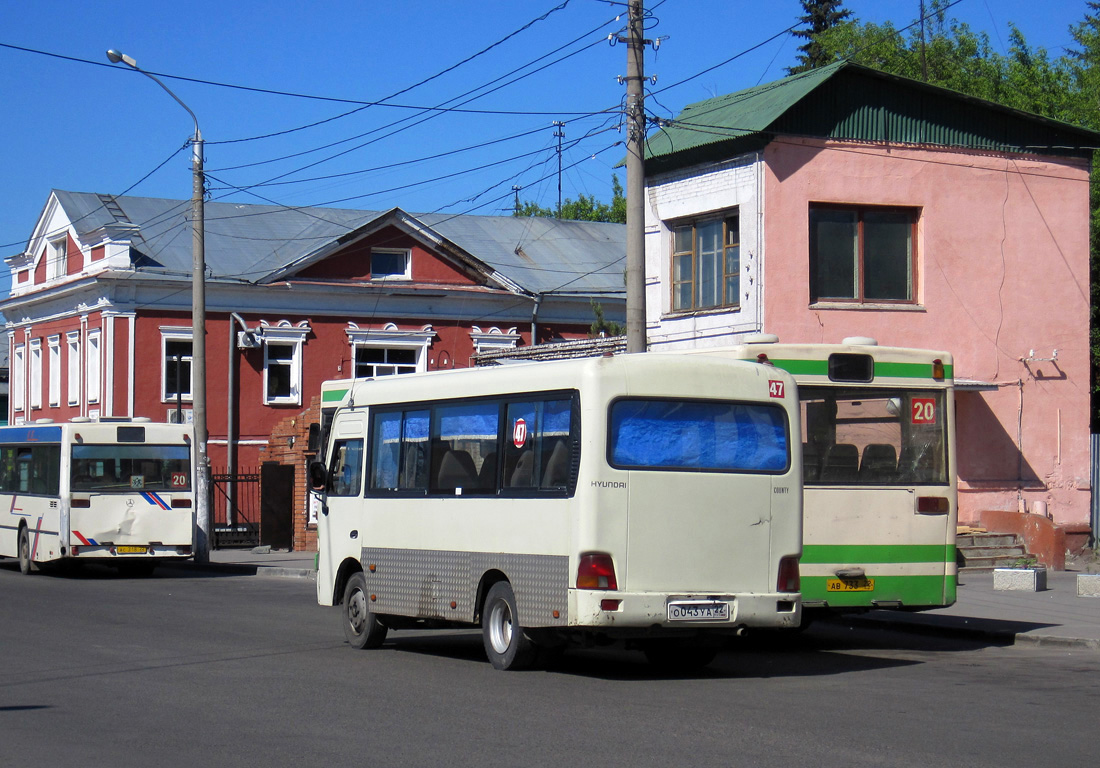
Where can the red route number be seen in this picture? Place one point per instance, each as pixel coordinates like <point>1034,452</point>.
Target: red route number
<point>924,410</point>
<point>179,479</point>
<point>519,433</point>
<point>776,389</point>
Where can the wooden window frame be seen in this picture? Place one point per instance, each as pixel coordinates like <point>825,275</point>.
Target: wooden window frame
<point>725,301</point>
<point>860,298</point>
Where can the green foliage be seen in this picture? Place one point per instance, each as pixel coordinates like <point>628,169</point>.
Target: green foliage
<point>584,208</point>
<point>820,15</point>
<point>601,326</point>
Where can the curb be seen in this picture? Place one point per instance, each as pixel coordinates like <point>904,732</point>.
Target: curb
<point>238,569</point>
<point>971,633</point>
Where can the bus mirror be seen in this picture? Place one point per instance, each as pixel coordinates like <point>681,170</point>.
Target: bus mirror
<point>318,476</point>
<point>314,444</point>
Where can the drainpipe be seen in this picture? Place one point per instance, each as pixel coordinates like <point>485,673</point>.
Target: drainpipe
<point>535,319</point>
<point>231,417</point>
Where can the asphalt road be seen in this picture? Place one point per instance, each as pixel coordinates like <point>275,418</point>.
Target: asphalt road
<point>213,670</point>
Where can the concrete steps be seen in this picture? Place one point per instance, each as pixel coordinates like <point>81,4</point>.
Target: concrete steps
<point>979,552</point>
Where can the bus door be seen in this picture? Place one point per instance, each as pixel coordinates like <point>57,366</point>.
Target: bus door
<point>339,523</point>
<point>879,509</point>
<point>699,484</point>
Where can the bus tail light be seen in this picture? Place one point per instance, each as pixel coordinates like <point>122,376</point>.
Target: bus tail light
<point>933,505</point>
<point>788,575</point>
<point>596,571</point>
<point>937,369</point>
<point>185,503</point>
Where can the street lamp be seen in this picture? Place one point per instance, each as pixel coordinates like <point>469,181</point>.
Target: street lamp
<point>198,322</point>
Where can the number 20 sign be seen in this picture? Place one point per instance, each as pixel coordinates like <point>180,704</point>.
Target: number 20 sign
<point>924,410</point>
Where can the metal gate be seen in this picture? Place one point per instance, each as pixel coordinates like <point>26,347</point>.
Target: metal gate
<point>235,511</point>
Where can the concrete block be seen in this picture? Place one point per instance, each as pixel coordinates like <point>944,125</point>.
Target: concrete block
<point>1088,585</point>
<point>1020,579</point>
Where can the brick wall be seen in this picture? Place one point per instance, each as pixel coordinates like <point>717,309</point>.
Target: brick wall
<point>288,445</point>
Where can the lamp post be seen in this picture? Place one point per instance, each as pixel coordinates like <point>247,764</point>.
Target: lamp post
<point>198,322</point>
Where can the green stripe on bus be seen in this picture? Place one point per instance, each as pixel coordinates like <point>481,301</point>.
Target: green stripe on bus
<point>914,591</point>
<point>851,554</point>
<point>883,370</point>
<point>333,395</point>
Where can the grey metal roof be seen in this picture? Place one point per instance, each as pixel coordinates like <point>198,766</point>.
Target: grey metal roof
<point>249,242</point>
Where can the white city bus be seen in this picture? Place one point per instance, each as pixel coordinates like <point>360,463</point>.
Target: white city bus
<point>652,498</point>
<point>113,491</point>
<point>878,450</point>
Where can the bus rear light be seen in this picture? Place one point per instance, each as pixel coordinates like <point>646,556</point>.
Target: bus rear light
<point>186,551</point>
<point>596,571</point>
<point>933,505</point>
<point>75,550</point>
<point>610,605</point>
<point>80,503</point>
<point>788,575</point>
<point>184,503</point>
<point>937,369</point>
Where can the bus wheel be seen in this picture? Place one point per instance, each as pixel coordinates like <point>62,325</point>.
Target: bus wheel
<point>361,627</point>
<point>679,656</point>
<point>26,565</point>
<point>505,643</point>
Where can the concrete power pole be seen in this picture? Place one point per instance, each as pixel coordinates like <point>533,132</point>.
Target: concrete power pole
<point>635,184</point>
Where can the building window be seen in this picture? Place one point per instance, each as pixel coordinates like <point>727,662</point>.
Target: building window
<point>390,263</point>
<point>863,254</point>
<point>176,368</point>
<point>72,343</point>
<point>54,344</point>
<point>383,361</point>
<point>57,256</point>
<point>706,263</point>
<point>94,367</point>
<point>35,385</point>
<point>282,372</point>
<point>18,378</point>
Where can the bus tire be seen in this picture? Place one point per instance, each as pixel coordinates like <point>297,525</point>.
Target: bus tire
<point>26,565</point>
<point>506,645</point>
<point>361,627</point>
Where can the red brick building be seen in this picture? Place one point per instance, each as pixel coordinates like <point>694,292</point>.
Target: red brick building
<point>99,316</point>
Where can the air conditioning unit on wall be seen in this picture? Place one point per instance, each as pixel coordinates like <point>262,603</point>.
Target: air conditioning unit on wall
<point>187,413</point>
<point>247,340</point>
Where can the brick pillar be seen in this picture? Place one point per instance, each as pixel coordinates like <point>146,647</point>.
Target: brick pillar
<point>289,445</point>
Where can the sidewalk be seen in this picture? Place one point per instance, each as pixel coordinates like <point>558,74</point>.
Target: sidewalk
<point>1056,616</point>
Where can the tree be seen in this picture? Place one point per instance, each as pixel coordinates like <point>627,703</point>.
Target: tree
<point>821,15</point>
<point>584,208</point>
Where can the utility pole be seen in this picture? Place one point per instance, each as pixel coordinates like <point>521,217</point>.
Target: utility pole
<point>559,132</point>
<point>635,184</point>
<point>516,188</point>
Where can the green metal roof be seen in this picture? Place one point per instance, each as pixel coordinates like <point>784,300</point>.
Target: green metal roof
<point>850,101</point>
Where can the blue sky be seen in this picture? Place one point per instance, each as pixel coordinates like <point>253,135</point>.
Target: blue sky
<point>96,127</point>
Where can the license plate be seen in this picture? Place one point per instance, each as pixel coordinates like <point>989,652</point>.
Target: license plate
<point>850,585</point>
<point>125,550</point>
<point>699,611</point>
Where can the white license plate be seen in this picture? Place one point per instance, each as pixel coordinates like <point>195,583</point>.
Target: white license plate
<point>699,611</point>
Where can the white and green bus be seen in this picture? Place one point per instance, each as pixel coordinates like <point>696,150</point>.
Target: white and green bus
<point>649,498</point>
<point>117,492</point>
<point>878,452</point>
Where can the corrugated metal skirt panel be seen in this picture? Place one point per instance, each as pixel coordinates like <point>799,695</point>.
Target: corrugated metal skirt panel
<point>423,583</point>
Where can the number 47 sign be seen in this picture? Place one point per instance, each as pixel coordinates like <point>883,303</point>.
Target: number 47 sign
<point>924,410</point>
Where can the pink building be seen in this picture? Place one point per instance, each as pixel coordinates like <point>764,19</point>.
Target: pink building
<point>847,202</point>
<point>99,317</point>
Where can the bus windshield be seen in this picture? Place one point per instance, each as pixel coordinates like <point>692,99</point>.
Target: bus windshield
<point>873,436</point>
<point>131,468</point>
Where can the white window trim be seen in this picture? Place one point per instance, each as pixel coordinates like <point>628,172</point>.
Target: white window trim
<point>18,378</point>
<point>57,257</point>
<point>94,369</point>
<point>391,337</point>
<point>493,339</point>
<point>406,252</point>
<point>172,334</point>
<point>54,344</point>
<point>285,334</point>
<point>72,341</point>
<point>34,387</point>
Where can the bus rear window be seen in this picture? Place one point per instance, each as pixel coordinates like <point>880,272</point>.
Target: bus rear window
<point>698,436</point>
<point>131,467</point>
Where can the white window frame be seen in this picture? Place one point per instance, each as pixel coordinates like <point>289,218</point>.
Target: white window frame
<point>94,367</point>
<point>35,387</point>
<point>18,378</point>
<point>284,335</point>
<point>167,335</point>
<point>390,337</point>
<point>57,257</point>
<point>404,252</point>
<point>54,345</point>
<point>72,342</point>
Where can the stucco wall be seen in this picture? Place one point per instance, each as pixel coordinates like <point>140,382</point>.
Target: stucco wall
<point>1002,276</point>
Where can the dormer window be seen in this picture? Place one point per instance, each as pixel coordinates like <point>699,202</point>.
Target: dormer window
<point>57,256</point>
<point>390,264</point>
